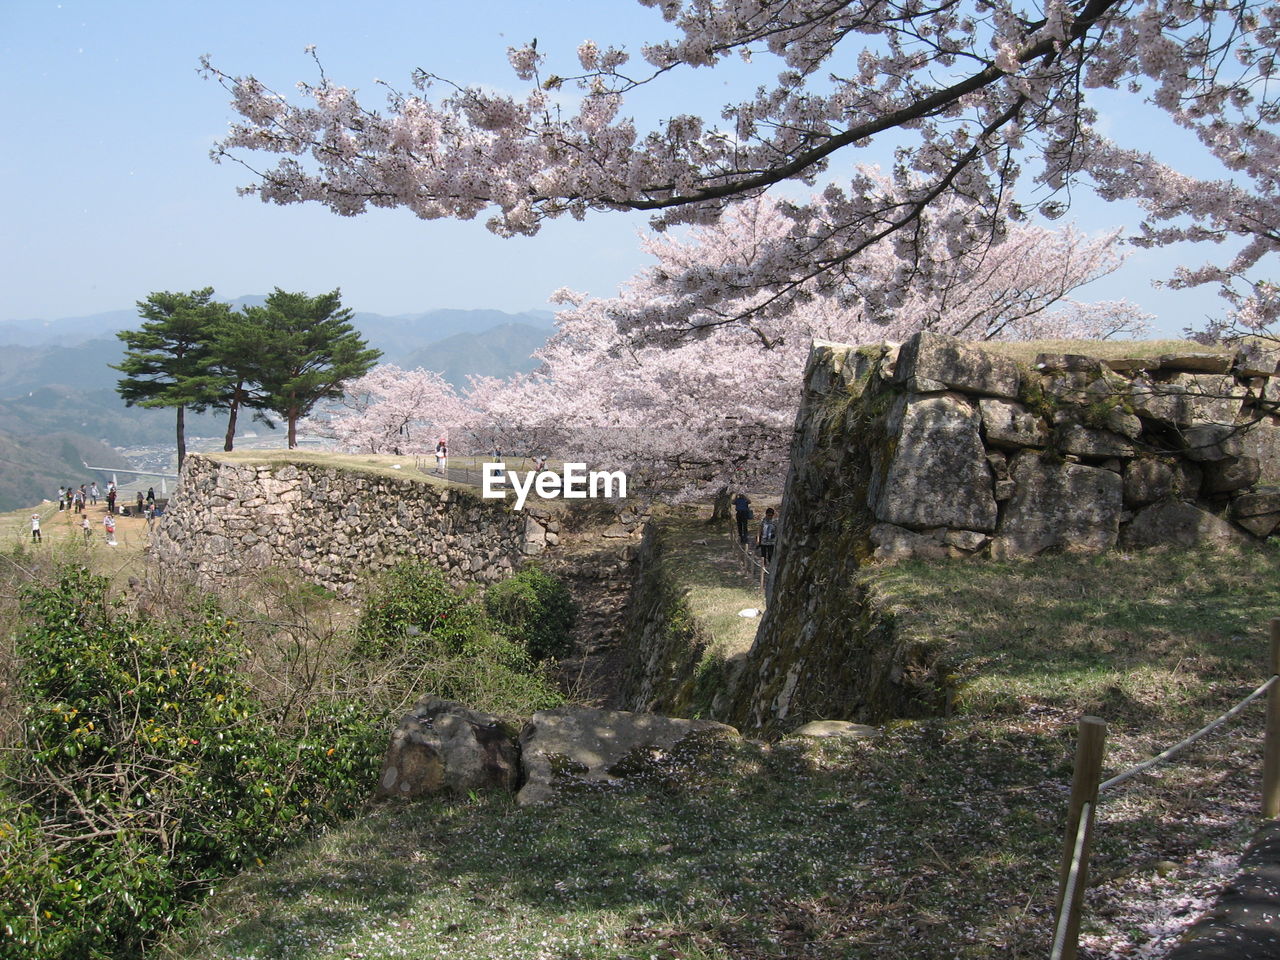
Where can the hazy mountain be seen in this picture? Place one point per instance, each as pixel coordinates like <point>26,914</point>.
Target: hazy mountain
<point>68,332</point>
<point>56,375</point>
<point>32,353</point>
<point>33,467</point>
<point>498,352</point>
<point>85,366</point>
<point>100,414</point>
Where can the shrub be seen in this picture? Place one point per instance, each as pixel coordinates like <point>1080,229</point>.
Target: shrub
<point>412,605</point>
<point>535,610</point>
<point>424,637</point>
<point>148,769</point>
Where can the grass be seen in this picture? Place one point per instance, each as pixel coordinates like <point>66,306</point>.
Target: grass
<point>62,539</point>
<point>1027,351</point>
<point>707,564</point>
<point>420,469</point>
<point>939,839</point>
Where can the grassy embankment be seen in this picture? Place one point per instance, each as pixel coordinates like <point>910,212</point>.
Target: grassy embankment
<point>939,839</point>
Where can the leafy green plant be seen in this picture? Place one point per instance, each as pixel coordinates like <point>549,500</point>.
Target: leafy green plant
<point>413,605</point>
<point>148,769</point>
<point>419,634</point>
<point>535,610</point>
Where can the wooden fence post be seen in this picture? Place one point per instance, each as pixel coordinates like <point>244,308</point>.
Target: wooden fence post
<point>1271,748</point>
<point>1084,800</point>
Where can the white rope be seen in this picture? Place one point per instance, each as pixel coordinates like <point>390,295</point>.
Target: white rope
<point>1147,764</point>
<point>1069,894</point>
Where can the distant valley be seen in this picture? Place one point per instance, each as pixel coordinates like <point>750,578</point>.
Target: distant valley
<point>58,400</point>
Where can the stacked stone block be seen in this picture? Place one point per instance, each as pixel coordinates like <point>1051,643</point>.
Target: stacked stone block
<point>333,527</point>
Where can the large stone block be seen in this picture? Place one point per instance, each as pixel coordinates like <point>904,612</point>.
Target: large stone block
<point>1226,476</point>
<point>1148,480</point>
<point>1256,358</point>
<point>938,475</point>
<point>1064,505</point>
<point>957,365</point>
<point>1257,512</point>
<point>1084,441</point>
<point>1011,425</point>
<point>586,745</point>
<point>441,746</point>
<point>1186,399</point>
<point>1209,442</point>
<point>1178,524</point>
<point>1262,442</point>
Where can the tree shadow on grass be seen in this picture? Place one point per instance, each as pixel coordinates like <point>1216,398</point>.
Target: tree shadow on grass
<point>736,850</point>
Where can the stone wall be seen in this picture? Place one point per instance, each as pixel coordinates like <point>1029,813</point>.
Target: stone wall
<point>229,519</point>
<point>940,449</point>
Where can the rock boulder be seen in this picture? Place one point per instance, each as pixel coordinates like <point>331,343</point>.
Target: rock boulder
<point>441,746</point>
<point>587,745</point>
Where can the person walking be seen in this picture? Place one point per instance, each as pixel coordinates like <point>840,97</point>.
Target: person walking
<point>767,536</point>
<point>35,529</point>
<point>742,513</point>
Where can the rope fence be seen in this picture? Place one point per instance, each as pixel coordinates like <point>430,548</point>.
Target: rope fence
<point>751,563</point>
<point>1086,786</point>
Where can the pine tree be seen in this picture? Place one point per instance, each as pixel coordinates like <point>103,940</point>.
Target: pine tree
<point>167,362</point>
<point>312,349</point>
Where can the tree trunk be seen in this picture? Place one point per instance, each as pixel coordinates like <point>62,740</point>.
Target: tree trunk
<point>232,412</point>
<point>293,429</point>
<point>720,507</point>
<point>182,436</point>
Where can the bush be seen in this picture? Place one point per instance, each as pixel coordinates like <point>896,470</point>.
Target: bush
<point>413,606</point>
<point>148,769</point>
<point>535,610</point>
<point>427,638</point>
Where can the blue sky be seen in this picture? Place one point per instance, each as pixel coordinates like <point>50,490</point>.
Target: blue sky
<point>112,194</point>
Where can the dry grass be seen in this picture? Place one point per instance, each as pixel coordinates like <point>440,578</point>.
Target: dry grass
<point>1103,349</point>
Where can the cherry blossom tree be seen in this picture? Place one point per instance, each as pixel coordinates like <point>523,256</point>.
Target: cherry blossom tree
<point>1019,291</point>
<point>688,408</point>
<point>991,101</point>
<point>390,410</point>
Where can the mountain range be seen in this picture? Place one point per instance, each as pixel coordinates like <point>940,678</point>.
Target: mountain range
<point>58,399</point>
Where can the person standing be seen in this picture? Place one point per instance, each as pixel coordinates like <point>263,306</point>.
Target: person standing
<point>94,493</point>
<point>151,494</point>
<point>742,513</point>
<point>88,530</point>
<point>139,504</point>
<point>109,524</point>
<point>442,457</point>
<point>111,498</point>
<point>62,499</point>
<point>35,529</point>
<point>767,537</point>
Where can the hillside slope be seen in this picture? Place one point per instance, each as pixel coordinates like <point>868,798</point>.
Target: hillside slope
<point>33,467</point>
